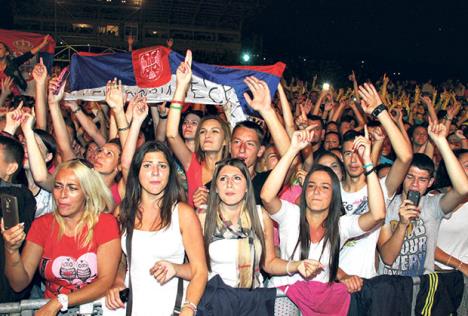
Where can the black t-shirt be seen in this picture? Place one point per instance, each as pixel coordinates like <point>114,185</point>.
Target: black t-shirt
<point>26,211</point>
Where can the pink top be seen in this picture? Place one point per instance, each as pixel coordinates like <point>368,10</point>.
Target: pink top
<point>194,178</point>
<point>335,294</point>
<point>115,193</point>
<point>291,193</point>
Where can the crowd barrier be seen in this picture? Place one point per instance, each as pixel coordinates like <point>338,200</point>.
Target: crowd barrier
<point>27,307</point>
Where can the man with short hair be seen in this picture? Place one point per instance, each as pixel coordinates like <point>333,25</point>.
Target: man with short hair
<point>357,256</point>
<point>408,239</point>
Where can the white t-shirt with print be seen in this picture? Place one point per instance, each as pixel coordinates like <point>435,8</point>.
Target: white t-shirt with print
<point>357,257</point>
<point>288,218</point>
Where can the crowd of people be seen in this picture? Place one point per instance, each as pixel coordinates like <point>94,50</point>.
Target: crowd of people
<point>156,209</point>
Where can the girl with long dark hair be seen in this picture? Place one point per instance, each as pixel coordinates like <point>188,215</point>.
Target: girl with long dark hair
<point>238,237</point>
<point>157,230</point>
<point>317,229</point>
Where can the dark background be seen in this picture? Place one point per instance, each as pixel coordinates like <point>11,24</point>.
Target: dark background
<point>418,39</point>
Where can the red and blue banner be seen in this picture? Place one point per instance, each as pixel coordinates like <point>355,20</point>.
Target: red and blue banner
<point>151,72</point>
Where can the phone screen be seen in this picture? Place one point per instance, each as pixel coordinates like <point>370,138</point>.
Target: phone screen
<point>9,210</point>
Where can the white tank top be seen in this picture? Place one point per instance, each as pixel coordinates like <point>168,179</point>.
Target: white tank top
<point>223,257</point>
<point>149,247</point>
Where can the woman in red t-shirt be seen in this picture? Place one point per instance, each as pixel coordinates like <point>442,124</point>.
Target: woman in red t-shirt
<point>76,248</point>
<point>212,137</point>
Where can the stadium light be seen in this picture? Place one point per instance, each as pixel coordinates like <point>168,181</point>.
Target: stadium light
<point>246,57</point>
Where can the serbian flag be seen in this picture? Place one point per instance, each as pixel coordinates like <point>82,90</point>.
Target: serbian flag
<point>22,42</point>
<point>152,72</point>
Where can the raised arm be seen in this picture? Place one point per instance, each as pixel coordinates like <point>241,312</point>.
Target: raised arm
<point>60,128</point>
<point>376,214</point>
<point>177,144</point>
<point>86,123</point>
<point>39,74</point>
<point>159,115</point>
<point>286,109</point>
<point>43,44</point>
<point>261,103</point>
<point>140,112</point>
<point>370,102</point>
<point>37,163</point>
<point>438,132</point>
<point>115,98</point>
<point>13,120</point>
<point>274,182</point>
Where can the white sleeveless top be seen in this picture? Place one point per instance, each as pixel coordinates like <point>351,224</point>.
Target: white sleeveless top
<point>223,258</point>
<point>149,247</point>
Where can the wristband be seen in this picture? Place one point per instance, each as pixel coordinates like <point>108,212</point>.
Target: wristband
<point>63,300</point>
<point>78,109</point>
<point>367,165</point>
<point>123,129</point>
<point>379,109</point>
<point>366,173</point>
<point>176,107</point>
<point>162,117</point>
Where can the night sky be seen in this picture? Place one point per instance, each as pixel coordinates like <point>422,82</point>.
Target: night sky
<point>419,39</point>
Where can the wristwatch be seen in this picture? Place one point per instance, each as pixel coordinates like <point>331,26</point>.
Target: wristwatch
<point>63,299</point>
<point>379,109</point>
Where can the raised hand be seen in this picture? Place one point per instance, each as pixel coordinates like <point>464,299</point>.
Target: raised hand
<point>6,85</point>
<point>376,134</point>
<point>300,139</point>
<point>39,73</point>
<point>362,145</point>
<point>28,121</point>
<point>13,119</point>
<point>140,109</point>
<point>352,76</point>
<point>71,105</point>
<point>370,97</point>
<point>115,96</point>
<point>56,91</point>
<point>453,110</point>
<point>261,94</point>
<point>302,120</point>
<point>163,271</point>
<point>437,131</point>
<point>184,72</point>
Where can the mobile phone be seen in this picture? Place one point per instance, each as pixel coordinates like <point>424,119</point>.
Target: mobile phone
<point>9,210</point>
<point>414,197</point>
<point>62,79</point>
<point>124,295</point>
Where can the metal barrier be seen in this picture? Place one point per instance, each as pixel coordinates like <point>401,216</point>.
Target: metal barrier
<point>27,308</point>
